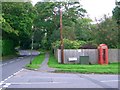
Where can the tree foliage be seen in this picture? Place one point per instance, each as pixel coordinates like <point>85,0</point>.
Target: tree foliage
<point>20,17</point>
<point>116,13</point>
<point>116,16</point>
<point>20,21</point>
<point>84,29</point>
<point>106,32</point>
<point>48,20</point>
<point>68,44</point>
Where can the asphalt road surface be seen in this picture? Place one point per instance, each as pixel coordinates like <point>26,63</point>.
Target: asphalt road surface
<point>12,66</point>
<point>36,79</point>
<point>43,79</point>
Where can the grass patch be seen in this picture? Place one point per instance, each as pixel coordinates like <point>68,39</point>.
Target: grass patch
<point>112,68</point>
<point>35,63</point>
<point>42,51</point>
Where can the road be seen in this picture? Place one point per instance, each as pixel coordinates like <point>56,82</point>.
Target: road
<point>38,79</point>
<point>24,78</point>
<point>12,66</point>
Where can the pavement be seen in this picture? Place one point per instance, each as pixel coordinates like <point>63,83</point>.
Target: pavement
<point>46,78</point>
<point>44,65</point>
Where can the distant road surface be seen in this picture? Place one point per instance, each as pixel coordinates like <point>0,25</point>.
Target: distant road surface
<point>10,67</point>
<point>28,52</point>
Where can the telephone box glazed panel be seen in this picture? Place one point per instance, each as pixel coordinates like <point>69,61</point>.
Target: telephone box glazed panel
<point>102,54</point>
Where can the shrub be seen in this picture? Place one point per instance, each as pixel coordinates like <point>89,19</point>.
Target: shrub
<point>35,46</point>
<point>7,47</point>
<point>68,44</point>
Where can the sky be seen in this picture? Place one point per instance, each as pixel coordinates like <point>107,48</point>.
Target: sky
<point>96,8</point>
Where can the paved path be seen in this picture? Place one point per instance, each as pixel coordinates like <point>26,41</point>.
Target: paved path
<point>44,78</point>
<point>44,65</point>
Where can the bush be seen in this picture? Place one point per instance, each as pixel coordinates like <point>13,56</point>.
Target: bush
<point>68,44</point>
<point>0,48</point>
<point>7,47</point>
<point>35,46</point>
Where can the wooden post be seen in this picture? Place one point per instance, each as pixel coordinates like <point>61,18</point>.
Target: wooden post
<point>61,38</point>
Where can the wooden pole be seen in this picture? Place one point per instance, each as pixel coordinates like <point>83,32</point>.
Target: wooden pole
<point>61,38</point>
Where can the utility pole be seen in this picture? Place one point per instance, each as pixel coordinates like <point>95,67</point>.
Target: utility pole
<point>56,9</point>
<point>32,38</point>
<point>61,38</point>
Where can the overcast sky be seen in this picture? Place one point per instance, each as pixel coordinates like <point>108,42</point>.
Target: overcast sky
<point>96,8</point>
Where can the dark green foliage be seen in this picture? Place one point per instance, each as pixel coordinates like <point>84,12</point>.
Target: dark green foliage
<point>83,29</point>
<point>69,44</point>
<point>55,36</point>
<point>36,46</point>
<point>7,47</point>
<point>106,32</point>
<point>20,17</point>
<point>7,31</point>
<point>116,16</point>
<point>17,20</point>
<point>48,21</point>
<point>116,13</point>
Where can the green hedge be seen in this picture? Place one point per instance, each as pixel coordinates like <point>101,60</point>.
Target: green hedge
<point>7,47</point>
<point>0,48</point>
<point>69,44</point>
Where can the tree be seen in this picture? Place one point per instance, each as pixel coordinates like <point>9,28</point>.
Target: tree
<point>116,13</point>
<point>8,33</point>
<point>20,16</point>
<point>84,29</point>
<point>47,20</point>
<point>116,16</point>
<point>8,39</point>
<point>43,22</point>
<point>106,32</point>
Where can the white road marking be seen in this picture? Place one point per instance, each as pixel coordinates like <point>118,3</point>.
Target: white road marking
<point>19,58</point>
<point>27,83</point>
<point>111,81</point>
<point>4,64</point>
<point>6,85</point>
<point>6,79</point>
<point>10,77</point>
<point>18,72</point>
<point>11,61</point>
<point>1,83</point>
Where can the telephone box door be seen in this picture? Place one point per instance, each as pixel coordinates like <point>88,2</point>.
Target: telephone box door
<point>103,54</point>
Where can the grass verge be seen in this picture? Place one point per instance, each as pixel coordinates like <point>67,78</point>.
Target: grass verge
<point>35,63</point>
<point>111,68</point>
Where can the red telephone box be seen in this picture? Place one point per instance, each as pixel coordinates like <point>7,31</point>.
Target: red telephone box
<point>102,54</point>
